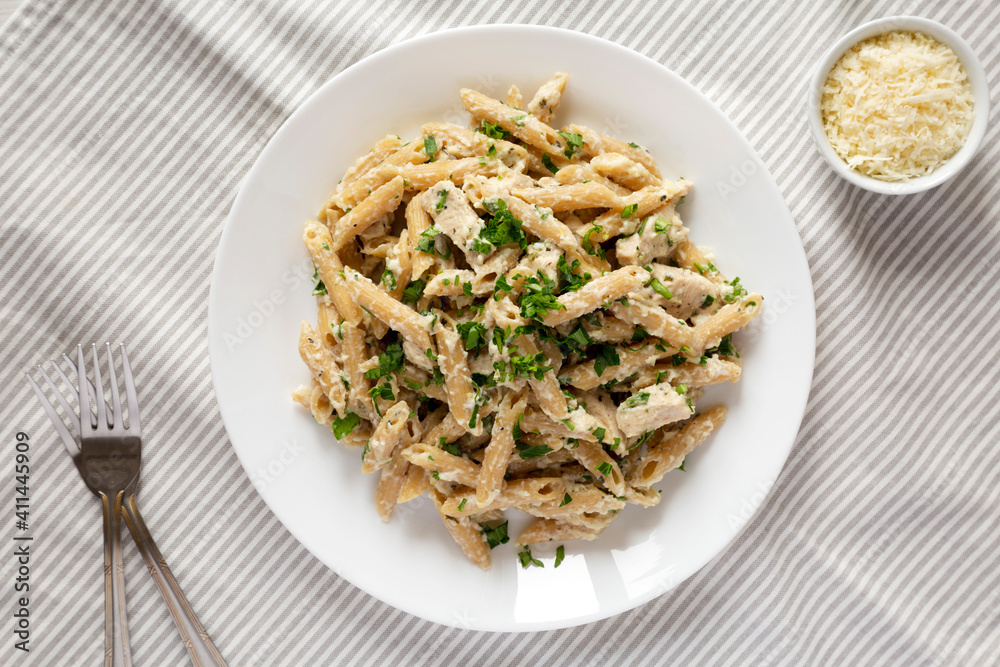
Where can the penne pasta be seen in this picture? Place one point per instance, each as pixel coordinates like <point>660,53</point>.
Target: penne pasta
<point>513,318</point>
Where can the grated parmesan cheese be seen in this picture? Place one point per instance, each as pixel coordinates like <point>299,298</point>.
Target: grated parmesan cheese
<point>897,106</point>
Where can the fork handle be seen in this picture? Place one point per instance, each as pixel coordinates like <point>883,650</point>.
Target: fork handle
<point>197,642</point>
<point>116,646</point>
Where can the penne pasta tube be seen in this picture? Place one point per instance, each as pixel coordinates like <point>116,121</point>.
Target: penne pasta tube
<point>671,447</point>
<point>498,451</point>
<point>376,206</point>
<point>595,294</point>
<point>397,316</point>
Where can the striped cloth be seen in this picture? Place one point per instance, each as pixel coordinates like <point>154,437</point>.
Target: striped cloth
<point>126,128</point>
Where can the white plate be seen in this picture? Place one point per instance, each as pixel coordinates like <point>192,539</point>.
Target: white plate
<point>261,291</point>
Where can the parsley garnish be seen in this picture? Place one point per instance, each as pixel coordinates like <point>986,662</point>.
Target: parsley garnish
<point>724,349</point>
<point>473,335</point>
<point>599,433</point>
<point>502,227</point>
<point>639,334</point>
<point>451,448</point>
<point>547,161</point>
<point>534,452</point>
<point>737,292</point>
<point>661,226</point>
<point>573,143</point>
<point>660,288</point>
<point>539,298</point>
<point>530,365</point>
<point>604,467</point>
<point>461,505</point>
<point>320,288</point>
<point>629,211</point>
<point>497,535</point>
<point>501,287</point>
<point>343,426</point>
<point>560,555</point>
<point>389,279</point>
<point>567,499</point>
<point>414,291</point>
<point>492,130</point>
<point>431,148</point>
<point>681,466</point>
<point>637,400</point>
<point>442,200</point>
<point>570,280</point>
<point>607,355</point>
<point>709,300</point>
<point>527,559</point>
<point>389,362</point>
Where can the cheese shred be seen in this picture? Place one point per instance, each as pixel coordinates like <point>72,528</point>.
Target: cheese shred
<point>897,106</point>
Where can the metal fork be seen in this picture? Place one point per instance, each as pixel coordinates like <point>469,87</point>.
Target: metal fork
<point>109,458</point>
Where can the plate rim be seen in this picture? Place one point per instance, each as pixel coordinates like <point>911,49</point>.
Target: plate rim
<point>214,326</point>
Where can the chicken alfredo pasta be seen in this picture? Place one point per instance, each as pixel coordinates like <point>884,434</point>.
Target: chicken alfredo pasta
<point>513,317</point>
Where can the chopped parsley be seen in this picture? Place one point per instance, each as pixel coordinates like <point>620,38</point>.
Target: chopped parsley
<point>501,287</point>
<point>389,362</point>
<point>660,288</point>
<point>497,535</point>
<point>534,452</point>
<point>634,145</point>
<point>502,227</point>
<point>461,505</point>
<point>451,448</point>
<point>737,292</point>
<point>414,291</point>
<point>530,365</point>
<point>343,426</point>
<point>567,499</point>
<point>527,559</point>
<point>473,335</point>
<point>637,399</point>
<point>588,246</point>
<point>639,334</point>
<point>431,148</point>
<point>539,297</point>
<point>442,200</point>
<point>573,143</point>
<point>599,433</point>
<point>492,130</point>
<point>662,226</point>
<point>607,355</point>
<point>428,240</point>
<point>319,289</point>
<point>567,276</point>
<point>604,467</point>
<point>560,555</point>
<point>681,466</point>
<point>629,211</point>
<point>389,279</point>
<point>709,300</point>
<point>547,161</point>
<point>724,348</point>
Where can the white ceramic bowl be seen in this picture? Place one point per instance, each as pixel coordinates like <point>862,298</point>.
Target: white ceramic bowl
<point>980,90</point>
<point>261,291</point>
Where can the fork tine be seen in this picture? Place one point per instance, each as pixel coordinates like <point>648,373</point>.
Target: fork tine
<point>93,415</point>
<point>102,411</point>
<point>85,389</point>
<point>130,395</point>
<point>55,390</point>
<point>116,403</point>
<point>68,441</point>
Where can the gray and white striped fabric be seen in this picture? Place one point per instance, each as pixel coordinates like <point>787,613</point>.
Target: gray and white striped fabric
<point>126,127</point>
